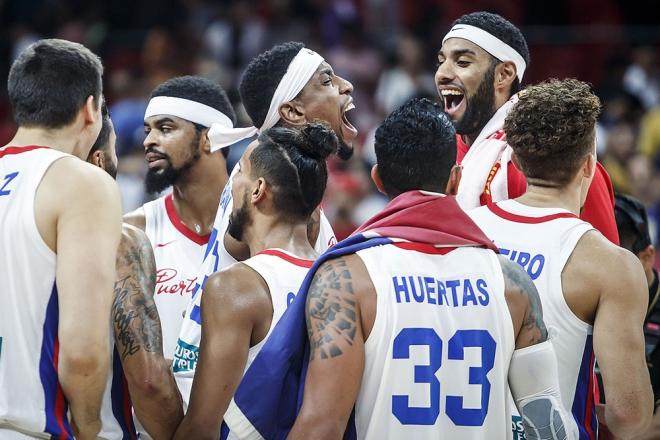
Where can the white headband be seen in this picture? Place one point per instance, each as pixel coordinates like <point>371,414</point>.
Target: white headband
<point>192,111</point>
<point>491,44</point>
<point>299,72</point>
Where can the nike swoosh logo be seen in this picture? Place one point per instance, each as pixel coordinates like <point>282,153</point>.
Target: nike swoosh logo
<point>165,244</point>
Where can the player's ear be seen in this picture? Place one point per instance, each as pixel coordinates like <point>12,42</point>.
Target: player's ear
<point>647,257</point>
<point>515,160</point>
<point>258,191</point>
<point>454,180</point>
<point>589,166</point>
<point>505,74</point>
<point>90,111</point>
<point>97,159</point>
<point>293,112</point>
<point>204,142</point>
<point>375,176</point>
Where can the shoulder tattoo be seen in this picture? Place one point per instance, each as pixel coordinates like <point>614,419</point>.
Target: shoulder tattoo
<point>331,310</point>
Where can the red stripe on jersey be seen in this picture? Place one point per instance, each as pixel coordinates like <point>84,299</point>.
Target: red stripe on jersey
<point>495,209</point>
<point>180,226</point>
<point>18,150</point>
<point>60,409</point>
<point>590,401</point>
<point>290,258</point>
<point>424,248</point>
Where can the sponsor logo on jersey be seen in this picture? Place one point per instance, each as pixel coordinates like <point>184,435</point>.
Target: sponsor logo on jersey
<point>185,357</point>
<point>165,244</point>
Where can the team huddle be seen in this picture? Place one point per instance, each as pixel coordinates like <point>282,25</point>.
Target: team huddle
<point>473,306</point>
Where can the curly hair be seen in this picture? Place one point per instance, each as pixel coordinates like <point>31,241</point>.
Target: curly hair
<point>415,148</point>
<point>504,30</point>
<point>261,78</point>
<point>551,129</point>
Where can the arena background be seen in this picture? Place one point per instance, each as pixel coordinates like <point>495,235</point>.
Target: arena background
<point>387,49</point>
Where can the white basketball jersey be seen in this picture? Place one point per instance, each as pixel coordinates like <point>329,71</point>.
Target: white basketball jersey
<point>541,240</point>
<point>32,404</point>
<point>437,358</point>
<point>179,252</point>
<point>216,258</point>
<point>283,273</point>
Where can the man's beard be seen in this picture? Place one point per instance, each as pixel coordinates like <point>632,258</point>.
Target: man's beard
<point>157,180</point>
<point>238,220</point>
<point>110,167</point>
<point>344,151</point>
<point>479,107</point>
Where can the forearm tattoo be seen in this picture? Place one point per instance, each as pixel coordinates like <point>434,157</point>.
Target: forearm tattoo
<point>331,310</point>
<point>134,314</point>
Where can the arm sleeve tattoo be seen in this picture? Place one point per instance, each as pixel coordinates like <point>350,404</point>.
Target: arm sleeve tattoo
<point>134,314</point>
<point>331,310</point>
<point>517,280</point>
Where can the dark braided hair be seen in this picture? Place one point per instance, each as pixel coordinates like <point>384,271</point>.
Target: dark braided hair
<point>293,163</point>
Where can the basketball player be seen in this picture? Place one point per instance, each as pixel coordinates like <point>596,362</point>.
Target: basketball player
<point>137,355</point>
<point>286,86</point>
<point>281,181</point>
<point>177,150</point>
<point>419,336</point>
<point>59,230</point>
<point>480,69</point>
<point>594,292</point>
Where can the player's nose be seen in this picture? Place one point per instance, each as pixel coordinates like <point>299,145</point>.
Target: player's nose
<point>345,86</point>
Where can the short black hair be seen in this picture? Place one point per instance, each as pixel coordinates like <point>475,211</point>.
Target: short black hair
<point>198,89</point>
<point>415,148</point>
<point>51,80</point>
<point>101,142</point>
<point>292,160</point>
<point>632,223</point>
<point>261,78</point>
<point>504,30</point>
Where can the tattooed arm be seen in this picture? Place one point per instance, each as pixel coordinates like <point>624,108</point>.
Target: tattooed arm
<point>524,304</point>
<point>533,373</point>
<point>340,293</point>
<point>138,337</point>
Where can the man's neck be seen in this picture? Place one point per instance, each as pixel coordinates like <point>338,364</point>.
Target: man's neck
<point>62,139</point>
<point>540,196</point>
<point>269,234</point>
<point>196,197</point>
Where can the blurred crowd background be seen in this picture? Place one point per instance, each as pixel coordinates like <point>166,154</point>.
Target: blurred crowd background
<point>386,48</point>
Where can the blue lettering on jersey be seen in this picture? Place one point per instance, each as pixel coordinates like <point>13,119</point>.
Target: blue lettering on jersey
<point>429,290</point>
<point>532,264</point>
<point>225,197</point>
<point>8,178</point>
<point>185,357</point>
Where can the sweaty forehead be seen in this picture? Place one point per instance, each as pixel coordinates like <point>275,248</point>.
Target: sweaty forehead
<point>459,46</point>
